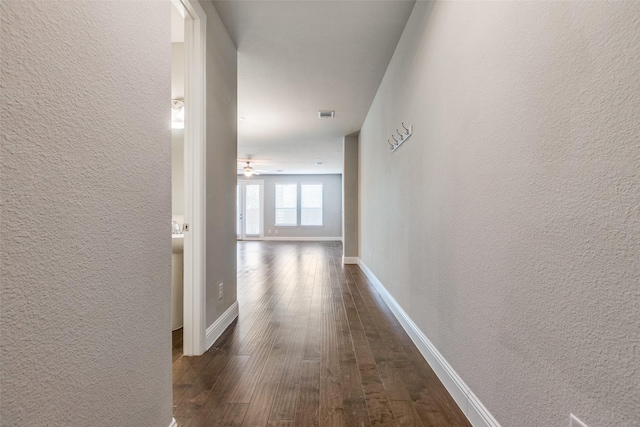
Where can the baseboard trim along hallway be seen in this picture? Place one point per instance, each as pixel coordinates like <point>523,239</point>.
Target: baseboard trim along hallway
<point>174,423</point>
<point>219,326</point>
<point>350,260</point>
<point>476,412</point>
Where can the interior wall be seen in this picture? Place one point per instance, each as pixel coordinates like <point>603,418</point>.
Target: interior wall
<point>350,196</point>
<point>221,165</point>
<point>332,206</point>
<point>177,173</point>
<point>177,135</point>
<point>86,205</point>
<point>507,227</point>
<point>177,69</point>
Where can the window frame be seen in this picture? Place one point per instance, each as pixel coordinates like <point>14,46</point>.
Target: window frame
<point>276,208</point>
<point>321,184</point>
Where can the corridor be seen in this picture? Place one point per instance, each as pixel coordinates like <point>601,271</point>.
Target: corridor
<point>314,345</point>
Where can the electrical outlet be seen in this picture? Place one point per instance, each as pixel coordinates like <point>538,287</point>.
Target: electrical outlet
<point>269,231</point>
<point>220,290</point>
<point>276,231</point>
<point>575,422</point>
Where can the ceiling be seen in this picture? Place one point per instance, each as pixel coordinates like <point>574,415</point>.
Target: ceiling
<point>296,57</point>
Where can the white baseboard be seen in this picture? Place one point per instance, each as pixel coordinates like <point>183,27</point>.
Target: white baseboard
<point>468,402</point>
<point>174,423</point>
<point>350,260</point>
<point>305,239</point>
<point>220,325</point>
<point>575,421</point>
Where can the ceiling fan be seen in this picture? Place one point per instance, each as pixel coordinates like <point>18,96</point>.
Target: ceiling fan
<point>248,170</point>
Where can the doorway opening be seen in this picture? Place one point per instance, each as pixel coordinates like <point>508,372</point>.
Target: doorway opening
<point>188,92</point>
<point>177,177</point>
<point>250,209</point>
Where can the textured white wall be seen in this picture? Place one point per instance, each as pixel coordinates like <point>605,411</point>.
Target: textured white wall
<point>350,195</point>
<point>177,135</point>
<point>86,205</point>
<point>177,69</point>
<point>508,226</point>
<point>177,172</point>
<point>222,137</point>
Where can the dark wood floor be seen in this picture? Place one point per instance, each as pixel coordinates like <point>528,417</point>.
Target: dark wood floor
<point>314,345</point>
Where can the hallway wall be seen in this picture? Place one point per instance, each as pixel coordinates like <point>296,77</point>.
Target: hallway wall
<point>507,227</point>
<point>222,139</point>
<point>86,206</point>
<point>350,201</point>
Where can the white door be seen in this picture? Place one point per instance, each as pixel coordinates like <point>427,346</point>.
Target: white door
<point>250,210</point>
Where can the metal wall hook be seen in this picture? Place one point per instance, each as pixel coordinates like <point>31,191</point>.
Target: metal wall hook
<point>403,137</point>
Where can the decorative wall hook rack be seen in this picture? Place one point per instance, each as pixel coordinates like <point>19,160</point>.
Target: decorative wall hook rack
<point>403,136</point>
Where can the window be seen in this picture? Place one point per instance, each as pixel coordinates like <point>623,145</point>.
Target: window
<point>311,204</point>
<point>253,207</point>
<point>287,204</point>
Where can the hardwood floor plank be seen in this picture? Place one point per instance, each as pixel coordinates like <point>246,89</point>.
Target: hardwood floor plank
<point>331,409</point>
<point>351,382</point>
<point>377,401</point>
<point>265,392</point>
<point>405,414</point>
<point>246,384</point>
<point>260,406</point>
<point>280,423</point>
<point>215,400</point>
<point>314,345</point>
<point>392,381</point>
<point>308,402</point>
<point>193,385</point>
<point>284,404</point>
<point>374,393</point>
<point>232,415</point>
<point>430,401</point>
<point>312,337</point>
<point>356,413</point>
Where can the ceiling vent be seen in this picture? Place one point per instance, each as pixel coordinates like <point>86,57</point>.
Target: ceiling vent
<point>325,114</point>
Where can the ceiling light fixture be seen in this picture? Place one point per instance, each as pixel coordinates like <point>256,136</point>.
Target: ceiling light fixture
<point>177,113</point>
<point>319,163</point>
<point>248,170</point>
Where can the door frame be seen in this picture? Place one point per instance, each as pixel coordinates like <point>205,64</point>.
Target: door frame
<point>242,183</point>
<point>194,328</point>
